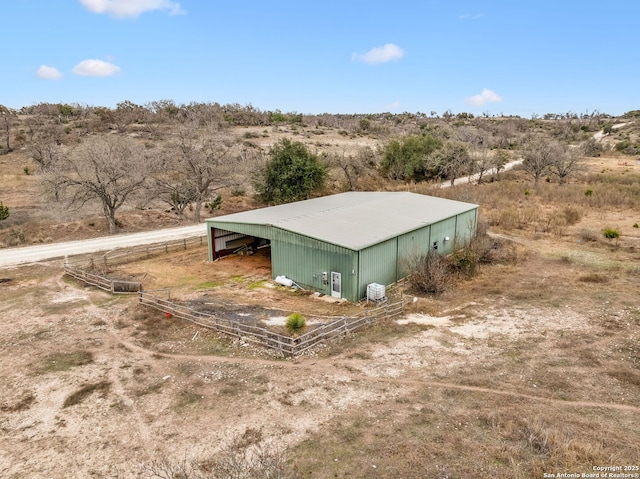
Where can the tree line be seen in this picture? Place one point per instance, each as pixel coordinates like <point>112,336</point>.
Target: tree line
<point>183,155</point>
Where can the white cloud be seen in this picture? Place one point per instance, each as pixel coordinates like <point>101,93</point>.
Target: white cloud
<point>382,54</point>
<point>487,96</point>
<point>95,68</point>
<point>48,73</point>
<point>131,8</point>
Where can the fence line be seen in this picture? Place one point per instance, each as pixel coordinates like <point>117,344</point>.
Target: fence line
<point>134,253</point>
<point>286,345</point>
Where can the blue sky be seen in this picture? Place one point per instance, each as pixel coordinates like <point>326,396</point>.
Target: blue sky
<point>313,56</point>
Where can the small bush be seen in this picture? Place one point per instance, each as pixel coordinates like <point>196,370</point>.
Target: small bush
<point>215,204</point>
<point>588,236</point>
<point>611,233</point>
<point>571,215</point>
<point>431,273</point>
<point>295,322</point>
<point>588,192</point>
<point>465,261</point>
<point>593,278</point>
<point>4,211</point>
<point>635,225</point>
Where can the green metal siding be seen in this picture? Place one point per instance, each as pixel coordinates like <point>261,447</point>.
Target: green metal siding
<point>377,264</point>
<point>411,244</point>
<point>465,227</point>
<point>442,229</point>
<point>257,231</point>
<point>304,259</point>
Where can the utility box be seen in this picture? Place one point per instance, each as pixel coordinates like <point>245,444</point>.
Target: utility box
<point>376,292</point>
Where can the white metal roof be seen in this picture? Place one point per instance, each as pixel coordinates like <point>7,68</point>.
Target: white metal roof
<point>354,220</point>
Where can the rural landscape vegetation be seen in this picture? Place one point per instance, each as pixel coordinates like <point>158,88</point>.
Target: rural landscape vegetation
<point>517,356</point>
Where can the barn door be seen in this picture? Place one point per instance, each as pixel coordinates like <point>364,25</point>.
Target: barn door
<point>336,285</point>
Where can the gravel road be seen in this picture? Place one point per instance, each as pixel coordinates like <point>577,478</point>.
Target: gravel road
<point>33,254</point>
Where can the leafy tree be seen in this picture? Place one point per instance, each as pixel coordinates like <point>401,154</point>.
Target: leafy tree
<point>4,211</point>
<point>405,159</point>
<point>293,173</point>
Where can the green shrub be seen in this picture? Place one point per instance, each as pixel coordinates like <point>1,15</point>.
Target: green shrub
<point>465,261</point>
<point>4,211</point>
<point>635,225</point>
<point>623,145</point>
<point>611,233</point>
<point>293,173</point>
<point>588,192</point>
<point>215,204</point>
<point>295,322</point>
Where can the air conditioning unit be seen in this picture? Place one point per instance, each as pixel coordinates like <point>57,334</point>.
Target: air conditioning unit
<point>376,292</point>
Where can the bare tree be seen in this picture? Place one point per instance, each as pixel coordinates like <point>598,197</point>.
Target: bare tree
<point>7,115</point>
<point>483,162</point>
<point>355,166</point>
<point>106,171</point>
<point>500,159</point>
<point>126,113</point>
<point>567,163</point>
<point>451,161</point>
<point>202,163</point>
<point>175,190</point>
<point>539,155</point>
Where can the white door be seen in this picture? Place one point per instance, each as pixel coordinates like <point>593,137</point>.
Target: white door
<point>336,285</point>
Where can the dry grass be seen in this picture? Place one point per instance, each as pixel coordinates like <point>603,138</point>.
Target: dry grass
<point>535,372</point>
<point>63,361</point>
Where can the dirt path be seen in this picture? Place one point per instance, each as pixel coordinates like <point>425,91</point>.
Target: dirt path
<point>33,254</point>
<point>321,367</point>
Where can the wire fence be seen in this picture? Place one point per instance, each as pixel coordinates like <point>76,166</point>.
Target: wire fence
<point>95,270</point>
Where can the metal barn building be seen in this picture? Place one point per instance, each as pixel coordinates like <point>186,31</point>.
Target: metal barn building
<point>339,244</point>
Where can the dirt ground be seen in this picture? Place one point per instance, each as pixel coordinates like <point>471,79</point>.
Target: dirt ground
<point>528,369</point>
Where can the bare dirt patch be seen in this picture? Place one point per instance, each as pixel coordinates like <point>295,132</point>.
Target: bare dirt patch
<point>524,369</point>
